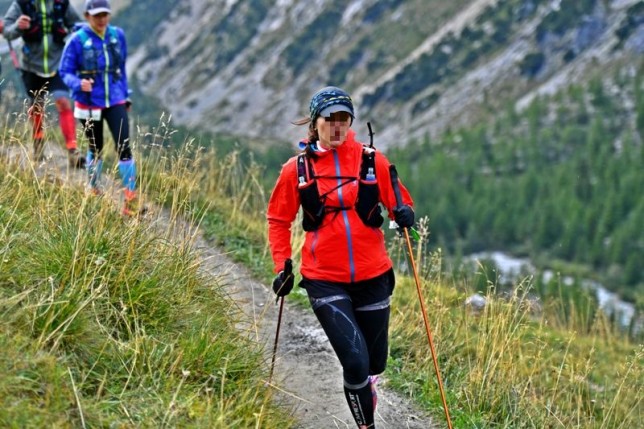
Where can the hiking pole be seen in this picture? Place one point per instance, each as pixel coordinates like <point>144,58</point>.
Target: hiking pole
<point>370,135</point>
<point>288,272</point>
<point>396,186</point>
<point>16,65</point>
<point>277,336</point>
<point>14,57</point>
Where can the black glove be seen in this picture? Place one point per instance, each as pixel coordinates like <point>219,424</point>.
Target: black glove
<point>283,283</point>
<point>404,216</point>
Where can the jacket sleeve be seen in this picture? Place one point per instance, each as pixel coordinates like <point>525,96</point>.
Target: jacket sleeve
<point>11,30</point>
<point>387,195</point>
<point>69,63</point>
<point>283,206</point>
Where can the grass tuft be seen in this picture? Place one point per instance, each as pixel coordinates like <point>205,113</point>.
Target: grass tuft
<point>106,321</point>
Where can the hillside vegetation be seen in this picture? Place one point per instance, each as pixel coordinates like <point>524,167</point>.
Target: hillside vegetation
<point>497,174</point>
<point>522,131</point>
<point>414,67</point>
<point>455,99</point>
<point>560,180</point>
<point>109,322</point>
<point>513,364</point>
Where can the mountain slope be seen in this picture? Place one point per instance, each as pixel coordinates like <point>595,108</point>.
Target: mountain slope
<point>415,67</point>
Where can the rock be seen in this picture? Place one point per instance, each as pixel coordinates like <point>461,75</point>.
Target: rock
<point>476,303</point>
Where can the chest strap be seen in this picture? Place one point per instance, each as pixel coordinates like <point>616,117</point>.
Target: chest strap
<point>314,205</point>
<point>43,23</point>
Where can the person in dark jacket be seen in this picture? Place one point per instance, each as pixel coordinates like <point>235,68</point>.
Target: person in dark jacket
<point>346,272</point>
<point>93,67</point>
<point>43,26</point>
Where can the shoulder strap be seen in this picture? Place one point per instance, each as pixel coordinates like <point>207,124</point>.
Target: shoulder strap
<point>60,8</point>
<point>88,56</point>
<point>26,6</point>
<point>304,169</point>
<point>63,4</point>
<point>34,34</point>
<point>114,46</point>
<point>82,35</point>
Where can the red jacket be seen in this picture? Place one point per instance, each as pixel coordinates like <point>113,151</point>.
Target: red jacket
<point>343,249</point>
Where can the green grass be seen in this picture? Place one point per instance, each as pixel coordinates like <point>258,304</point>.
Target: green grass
<point>509,368</point>
<point>515,365</point>
<point>109,322</point>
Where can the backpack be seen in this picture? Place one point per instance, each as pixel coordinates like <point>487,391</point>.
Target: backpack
<point>313,204</point>
<point>55,24</point>
<point>89,61</point>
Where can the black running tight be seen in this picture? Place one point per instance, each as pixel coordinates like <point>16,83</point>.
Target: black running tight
<point>360,340</point>
<point>117,120</point>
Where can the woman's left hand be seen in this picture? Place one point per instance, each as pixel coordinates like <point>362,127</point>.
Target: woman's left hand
<point>404,216</point>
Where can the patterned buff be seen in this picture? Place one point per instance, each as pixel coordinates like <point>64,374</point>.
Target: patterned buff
<point>327,97</point>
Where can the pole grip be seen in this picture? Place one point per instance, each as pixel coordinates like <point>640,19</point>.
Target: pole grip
<point>370,135</point>
<point>393,173</point>
<point>288,272</point>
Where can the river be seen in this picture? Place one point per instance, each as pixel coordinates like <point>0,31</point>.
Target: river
<point>510,268</point>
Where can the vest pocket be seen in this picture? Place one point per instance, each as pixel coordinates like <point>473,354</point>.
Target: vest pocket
<point>367,204</point>
<point>312,207</point>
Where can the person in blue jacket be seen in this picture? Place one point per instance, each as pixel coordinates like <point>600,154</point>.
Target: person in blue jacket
<point>93,67</point>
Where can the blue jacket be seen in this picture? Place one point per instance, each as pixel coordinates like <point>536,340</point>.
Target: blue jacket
<point>88,55</point>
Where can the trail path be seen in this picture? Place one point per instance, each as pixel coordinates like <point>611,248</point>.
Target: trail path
<point>307,374</point>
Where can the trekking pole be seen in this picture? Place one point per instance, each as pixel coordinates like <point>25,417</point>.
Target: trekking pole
<point>14,57</point>
<point>370,135</point>
<point>288,272</point>
<point>396,187</point>
<point>16,65</point>
<point>277,336</point>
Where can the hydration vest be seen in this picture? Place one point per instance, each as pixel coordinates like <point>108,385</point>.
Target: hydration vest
<point>54,23</point>
<point>313,204</point>
<point>89,61</point>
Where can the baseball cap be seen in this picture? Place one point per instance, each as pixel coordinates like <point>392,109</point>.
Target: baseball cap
<point>94,7</point>
<point>329,100</point>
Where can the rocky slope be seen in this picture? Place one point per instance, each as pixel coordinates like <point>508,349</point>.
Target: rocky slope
<point>415,67</point>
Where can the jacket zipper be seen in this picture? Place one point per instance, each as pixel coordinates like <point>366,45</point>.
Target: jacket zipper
<point>45,37</point>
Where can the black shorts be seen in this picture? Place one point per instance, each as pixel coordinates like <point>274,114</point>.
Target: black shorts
<point>361,294</point>
<point>34,84</point>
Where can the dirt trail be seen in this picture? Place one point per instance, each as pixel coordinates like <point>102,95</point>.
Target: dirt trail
<point>306,370</point>
<point>307,374</point>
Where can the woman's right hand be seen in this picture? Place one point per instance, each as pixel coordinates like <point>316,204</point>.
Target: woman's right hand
<point>86,85</point>
<point>283,283</point>
<point>23,22</point>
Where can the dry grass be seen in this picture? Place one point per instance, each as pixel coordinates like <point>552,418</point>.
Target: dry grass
<point>107,321</point>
